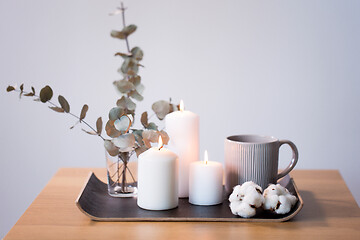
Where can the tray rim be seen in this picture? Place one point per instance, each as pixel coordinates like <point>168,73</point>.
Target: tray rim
<point>182,219</point>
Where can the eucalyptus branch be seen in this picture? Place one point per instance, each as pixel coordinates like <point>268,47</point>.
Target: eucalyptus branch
<point>124,24</point>
<point>57,106</point>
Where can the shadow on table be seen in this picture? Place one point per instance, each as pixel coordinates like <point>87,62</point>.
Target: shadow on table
<point>312,209</point>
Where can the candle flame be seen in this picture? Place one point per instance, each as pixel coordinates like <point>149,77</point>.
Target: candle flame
<point>161,144</point>
<point>181,105</point>
<point>206,157</point>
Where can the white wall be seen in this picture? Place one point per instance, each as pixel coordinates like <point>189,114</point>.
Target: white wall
<point>283,68</point>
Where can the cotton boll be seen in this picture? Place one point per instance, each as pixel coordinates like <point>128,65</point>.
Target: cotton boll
<point>242,209</point>
<point>254,197</point>
<point>236,195</point>
<point>245,199</point>
<point>270,202</point>
<point>278,199</point>
<point>284,205</point>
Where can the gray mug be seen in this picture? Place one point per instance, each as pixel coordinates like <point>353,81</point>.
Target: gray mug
<point>254,158</point>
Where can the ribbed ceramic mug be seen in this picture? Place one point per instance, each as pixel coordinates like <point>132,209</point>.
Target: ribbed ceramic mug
<point>254,158</point>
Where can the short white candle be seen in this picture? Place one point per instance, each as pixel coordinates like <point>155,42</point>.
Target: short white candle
<point>206,182</point>
<point>157,179</point>
<point>183,129</point>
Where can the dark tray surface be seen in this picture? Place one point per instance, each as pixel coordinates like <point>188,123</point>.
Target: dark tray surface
<point>96,203</point>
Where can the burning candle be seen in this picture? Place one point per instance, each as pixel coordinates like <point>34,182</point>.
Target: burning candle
<point>183,129</point>
<point>206,182</point>
<point>157,179</point>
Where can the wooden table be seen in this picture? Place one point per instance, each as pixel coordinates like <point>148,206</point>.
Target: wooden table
<point>329,212</point>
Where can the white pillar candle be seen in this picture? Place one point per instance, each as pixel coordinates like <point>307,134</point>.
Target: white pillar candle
<point>183,130</point>
<point>157,179</point>
<point>206,182</point>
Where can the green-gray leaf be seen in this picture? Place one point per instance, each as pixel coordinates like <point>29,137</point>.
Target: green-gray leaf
<point>129,66</point>
<point>161,108</point>
<point>129,29</point>
<point>84,110</point>
<point>64,104</point>
<point>125,142</point>
<point>99,124</point>
<point>152,126</point>
<point>135,95</point>
<point>10,88</point>
<point>57,109</point>
<point>137,53</point>
<point>46,94</point>
<point>125,102</point>
<point>115,113</point>
<point>123,124</point>
<point>111,148</point>
<point>124,86</point>
<point>124,33</point>
<point>138,136</point>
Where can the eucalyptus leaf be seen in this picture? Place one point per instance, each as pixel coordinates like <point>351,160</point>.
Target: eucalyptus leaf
<point>118,34</point>
<point>84,110</point>
<point>161,108</point>
<point>89,132</point>
<point>136,80</point>
<point>151,135</point>
<point>46,94</point>
<point>111,130</point>
<point>124,33</point>
<point>123,124</point>
<point>165,137</point>
<point>64,104</point>
<point>135,95</point>
<point>99,124</point>
<point>57,109</point>
<point>115,113</point>
<point>144,119</point>
<point>152,126</point>
<point>140,88</point>
<point>21,90</point>
<point>137,53</point>
<point>138,137</point>
<point>10,88</point>
<point>125,142</point>
<point>129,29</point>
<point>129,67</point>
<point>125,102</point>
<point>29,94</point>
<point>124,55</point>
<point>140,150</point>
<point>124,86</point>
<point>111,148</point>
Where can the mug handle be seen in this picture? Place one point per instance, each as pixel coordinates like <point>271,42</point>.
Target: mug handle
<point>295,157</point>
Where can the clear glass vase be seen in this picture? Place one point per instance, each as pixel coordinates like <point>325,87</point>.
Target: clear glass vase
<point>121,175</point>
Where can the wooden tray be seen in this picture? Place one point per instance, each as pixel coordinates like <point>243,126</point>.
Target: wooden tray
<point>95,202</point>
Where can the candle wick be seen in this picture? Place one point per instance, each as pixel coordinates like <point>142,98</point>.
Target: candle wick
<point>161,147</point>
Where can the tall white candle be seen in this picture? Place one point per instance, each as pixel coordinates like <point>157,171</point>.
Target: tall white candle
<point>157,179</point>
<point>206,182</point>
<point>183,130</point>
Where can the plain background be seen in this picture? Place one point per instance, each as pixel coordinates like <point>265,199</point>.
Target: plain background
<point>284,68</point>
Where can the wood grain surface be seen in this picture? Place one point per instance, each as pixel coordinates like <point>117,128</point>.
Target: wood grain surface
<point>329,212</point>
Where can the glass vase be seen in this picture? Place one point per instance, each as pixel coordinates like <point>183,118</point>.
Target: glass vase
<point>121,175</point>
